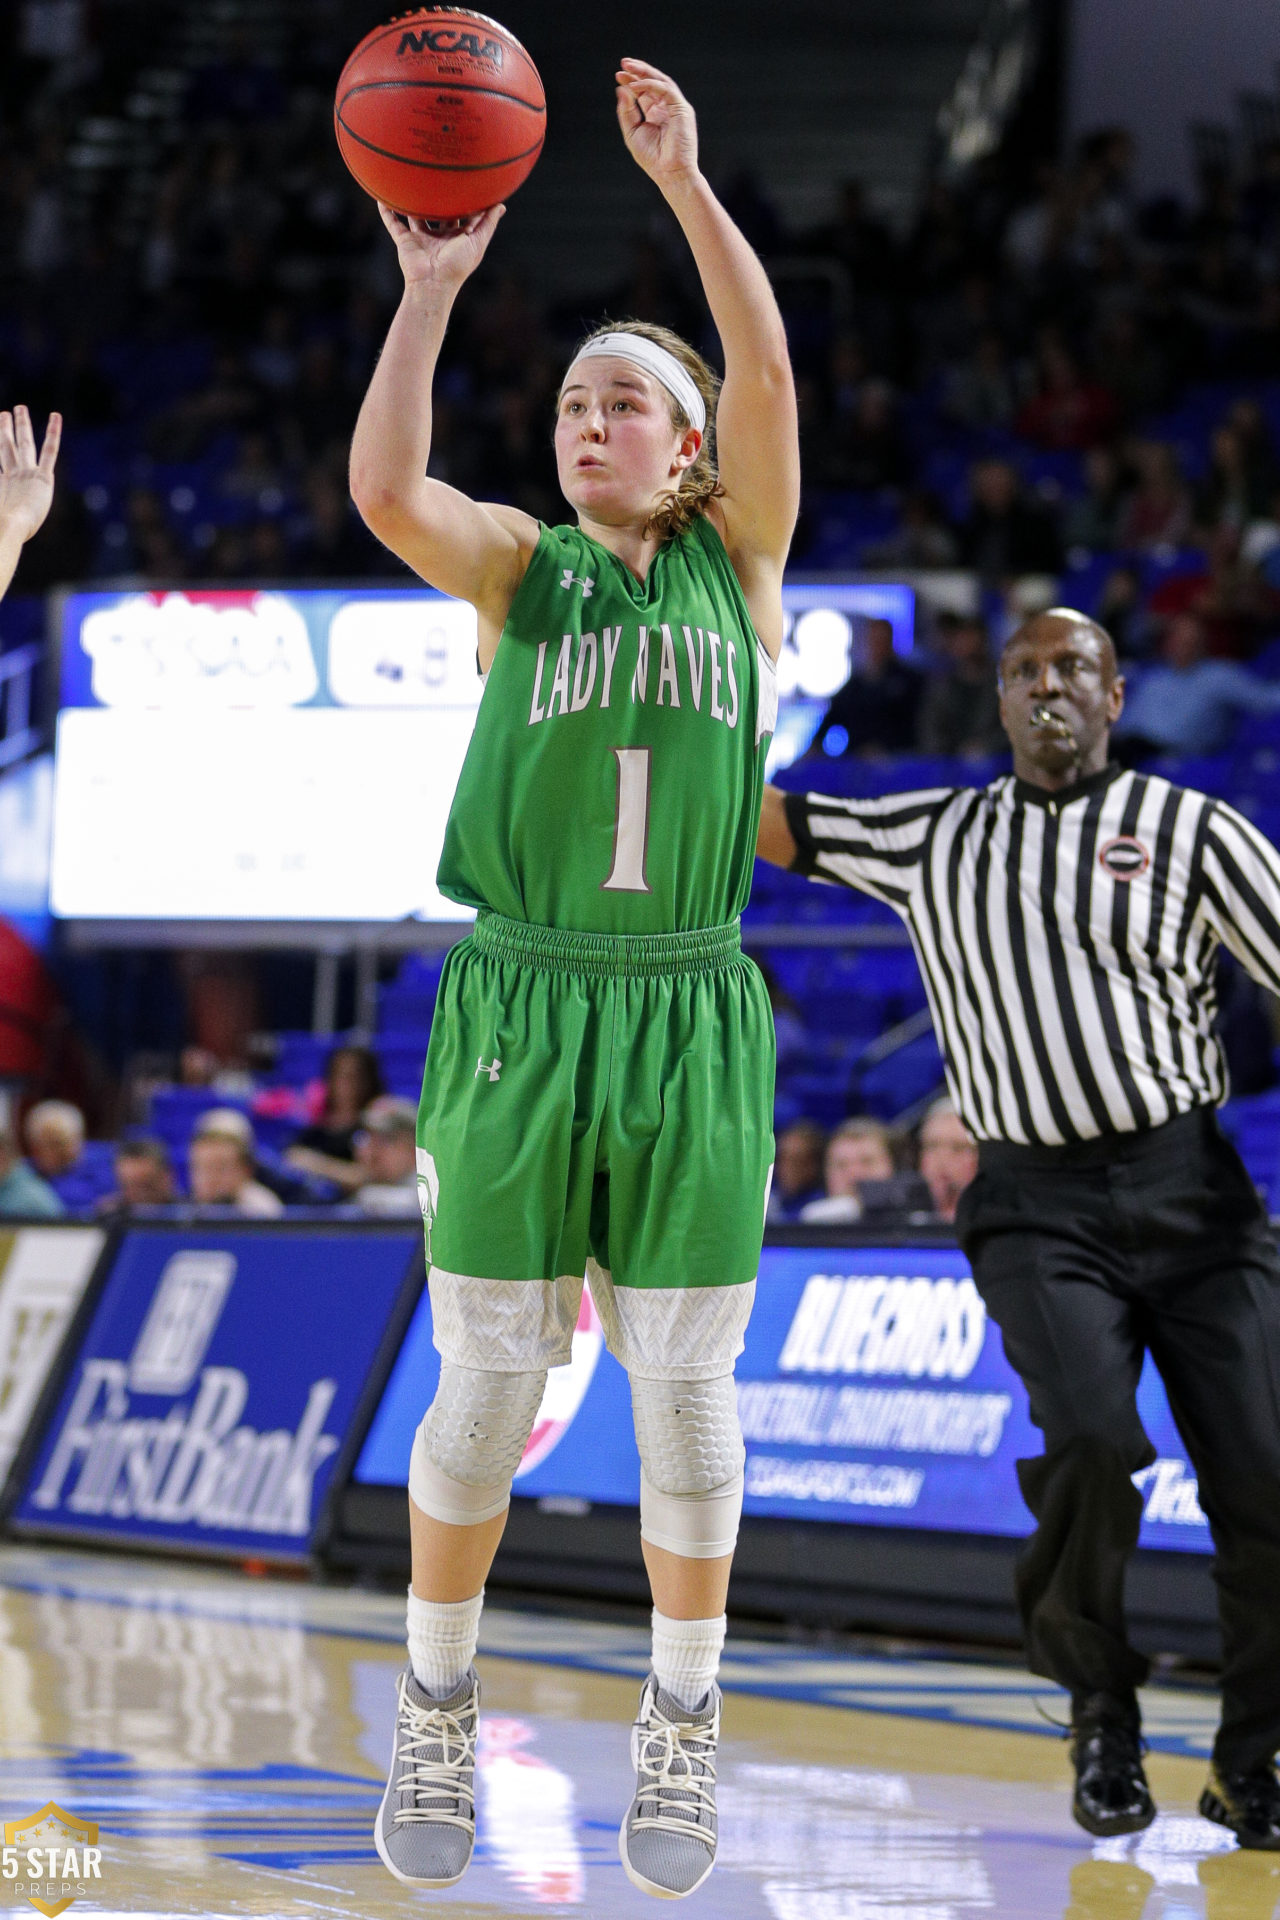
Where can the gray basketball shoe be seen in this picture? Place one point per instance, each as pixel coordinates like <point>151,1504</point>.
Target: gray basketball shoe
<point>668,1839</point>
<point>426,1825</point>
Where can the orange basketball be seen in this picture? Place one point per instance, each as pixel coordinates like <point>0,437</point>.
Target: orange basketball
<point>440,113</point>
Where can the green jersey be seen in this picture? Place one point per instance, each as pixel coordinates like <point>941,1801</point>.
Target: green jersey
<point>613,781</point>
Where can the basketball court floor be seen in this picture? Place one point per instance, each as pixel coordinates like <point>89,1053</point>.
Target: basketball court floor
<point>229,1737</point>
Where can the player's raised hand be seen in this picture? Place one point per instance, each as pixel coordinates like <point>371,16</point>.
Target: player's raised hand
<point>26,483</point>
<point>445,257</point>
<point>657,122</point>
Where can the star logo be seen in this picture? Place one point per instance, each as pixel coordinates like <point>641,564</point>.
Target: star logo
<point>51,1849</point>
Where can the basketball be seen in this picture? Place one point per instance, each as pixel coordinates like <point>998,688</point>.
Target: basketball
<point>440,113</point>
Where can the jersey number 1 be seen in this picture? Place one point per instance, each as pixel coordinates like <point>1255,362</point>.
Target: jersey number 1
<point>631,822</point>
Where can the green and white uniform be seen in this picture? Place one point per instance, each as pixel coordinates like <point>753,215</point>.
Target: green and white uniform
<point>599,1084</point>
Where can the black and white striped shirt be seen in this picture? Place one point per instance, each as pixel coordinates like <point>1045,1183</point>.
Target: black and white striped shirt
<point>1067,940</point>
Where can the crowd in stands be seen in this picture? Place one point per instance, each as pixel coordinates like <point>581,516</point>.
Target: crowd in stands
<point>866,1172</point>
<point>1041,374</point>
<point>1046,384</point>
<point>349,1149</point>
<point>358,1161</point>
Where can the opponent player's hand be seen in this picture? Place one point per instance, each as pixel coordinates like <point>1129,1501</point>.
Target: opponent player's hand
<point>657,123</point>
<point>443,259</point>
<point>26,483</point>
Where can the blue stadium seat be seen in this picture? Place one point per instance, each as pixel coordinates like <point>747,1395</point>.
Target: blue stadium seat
<point>90,1180</point>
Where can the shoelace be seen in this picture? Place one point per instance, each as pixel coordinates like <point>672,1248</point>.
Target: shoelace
<point>676,1764</point>
<point>442,1779</point>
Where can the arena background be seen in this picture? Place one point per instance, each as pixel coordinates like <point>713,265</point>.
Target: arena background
<point>1029,260</point>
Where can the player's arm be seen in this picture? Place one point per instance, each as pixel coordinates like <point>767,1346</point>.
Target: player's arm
<point>757,436</point>
<point>775,841</point>
<point>26,484</point>
<point>477,553</point>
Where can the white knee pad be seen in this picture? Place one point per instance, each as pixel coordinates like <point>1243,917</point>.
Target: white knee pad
<point>691,1461</point>
<point>468,1447</point>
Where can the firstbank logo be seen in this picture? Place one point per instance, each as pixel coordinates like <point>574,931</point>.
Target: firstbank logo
<point>51,1858</point>
<point>195,1463</point>
<point>181,1320</point>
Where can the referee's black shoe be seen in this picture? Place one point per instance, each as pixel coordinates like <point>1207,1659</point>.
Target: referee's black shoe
<point>1112,1795</point>
<point>1246,1799</point>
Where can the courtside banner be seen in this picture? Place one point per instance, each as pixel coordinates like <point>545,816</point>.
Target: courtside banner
<point>872,1389</point>
<point>217,1385</point>
<point>44,1272</point>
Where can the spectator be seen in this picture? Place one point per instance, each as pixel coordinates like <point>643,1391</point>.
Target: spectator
<point>23,1194</point>
<point>982,391</point>
<point>922,539</point>
<point>1005,534</point>
<point>1091,520</point>
<point>865,448</point>
<point>960,714</point>
<point>1189,704</point>
<point>54,1136</point>
<point>221,1172</point>
<point>858,1151</point>
<point>144,1178</point>
<point>1158,512</point>
<point>948,1157</point>
<point>352,1081</point>
<point>386,1152</point>
<point>876,707</point>
<point>1066,413</point>
<point>797,1170</point>
<point>1233,493</point>
<point>1123,612</point>
<point>1235,605</point>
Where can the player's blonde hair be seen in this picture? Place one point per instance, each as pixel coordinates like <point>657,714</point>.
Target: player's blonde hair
<point>700,483</point>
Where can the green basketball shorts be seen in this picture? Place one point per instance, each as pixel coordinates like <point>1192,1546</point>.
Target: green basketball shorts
<point>601,1105</point>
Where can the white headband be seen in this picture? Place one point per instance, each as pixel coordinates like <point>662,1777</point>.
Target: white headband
<point>664,367</point>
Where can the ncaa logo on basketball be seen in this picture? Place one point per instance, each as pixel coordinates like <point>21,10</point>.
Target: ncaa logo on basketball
<point>1124,858</point>
<point>450,40</point>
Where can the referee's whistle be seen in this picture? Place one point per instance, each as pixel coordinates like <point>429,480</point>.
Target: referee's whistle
<point>1044,717</point>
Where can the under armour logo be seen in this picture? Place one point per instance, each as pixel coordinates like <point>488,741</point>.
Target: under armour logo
<point>570,579</point>
<point>492,1067</point>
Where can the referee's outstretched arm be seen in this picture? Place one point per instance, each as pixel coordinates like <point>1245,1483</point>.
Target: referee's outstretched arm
<point>775,842</point>
<point>1240,883</point>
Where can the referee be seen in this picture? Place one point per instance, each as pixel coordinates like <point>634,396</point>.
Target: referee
<point>1066,920</point>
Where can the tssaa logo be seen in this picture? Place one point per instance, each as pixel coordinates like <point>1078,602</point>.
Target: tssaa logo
<point>566,1388</point>
<point>451,40</point>
<point>194,1464</point>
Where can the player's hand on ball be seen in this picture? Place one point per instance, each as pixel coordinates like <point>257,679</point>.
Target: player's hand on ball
<point>26,483</point>
<point>444,258</point>
<point>657,122</point>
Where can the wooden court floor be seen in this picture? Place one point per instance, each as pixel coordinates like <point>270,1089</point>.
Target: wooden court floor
<point>229,1736</point>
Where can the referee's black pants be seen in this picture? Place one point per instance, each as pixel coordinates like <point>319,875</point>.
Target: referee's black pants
<point>1087,1256</point>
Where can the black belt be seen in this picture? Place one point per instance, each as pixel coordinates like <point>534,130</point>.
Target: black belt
<point>1180,1135</point>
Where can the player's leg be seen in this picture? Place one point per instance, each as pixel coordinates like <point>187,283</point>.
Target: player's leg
<point>687,1176</point>
<point>1045,1252</point>
<point>505,1179</point>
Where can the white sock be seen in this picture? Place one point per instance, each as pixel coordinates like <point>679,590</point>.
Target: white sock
<point>686,1656</point>
<point>442,1641</point>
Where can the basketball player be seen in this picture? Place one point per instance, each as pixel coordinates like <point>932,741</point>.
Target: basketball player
<point>598,1086</point>
<point>26,484</point>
